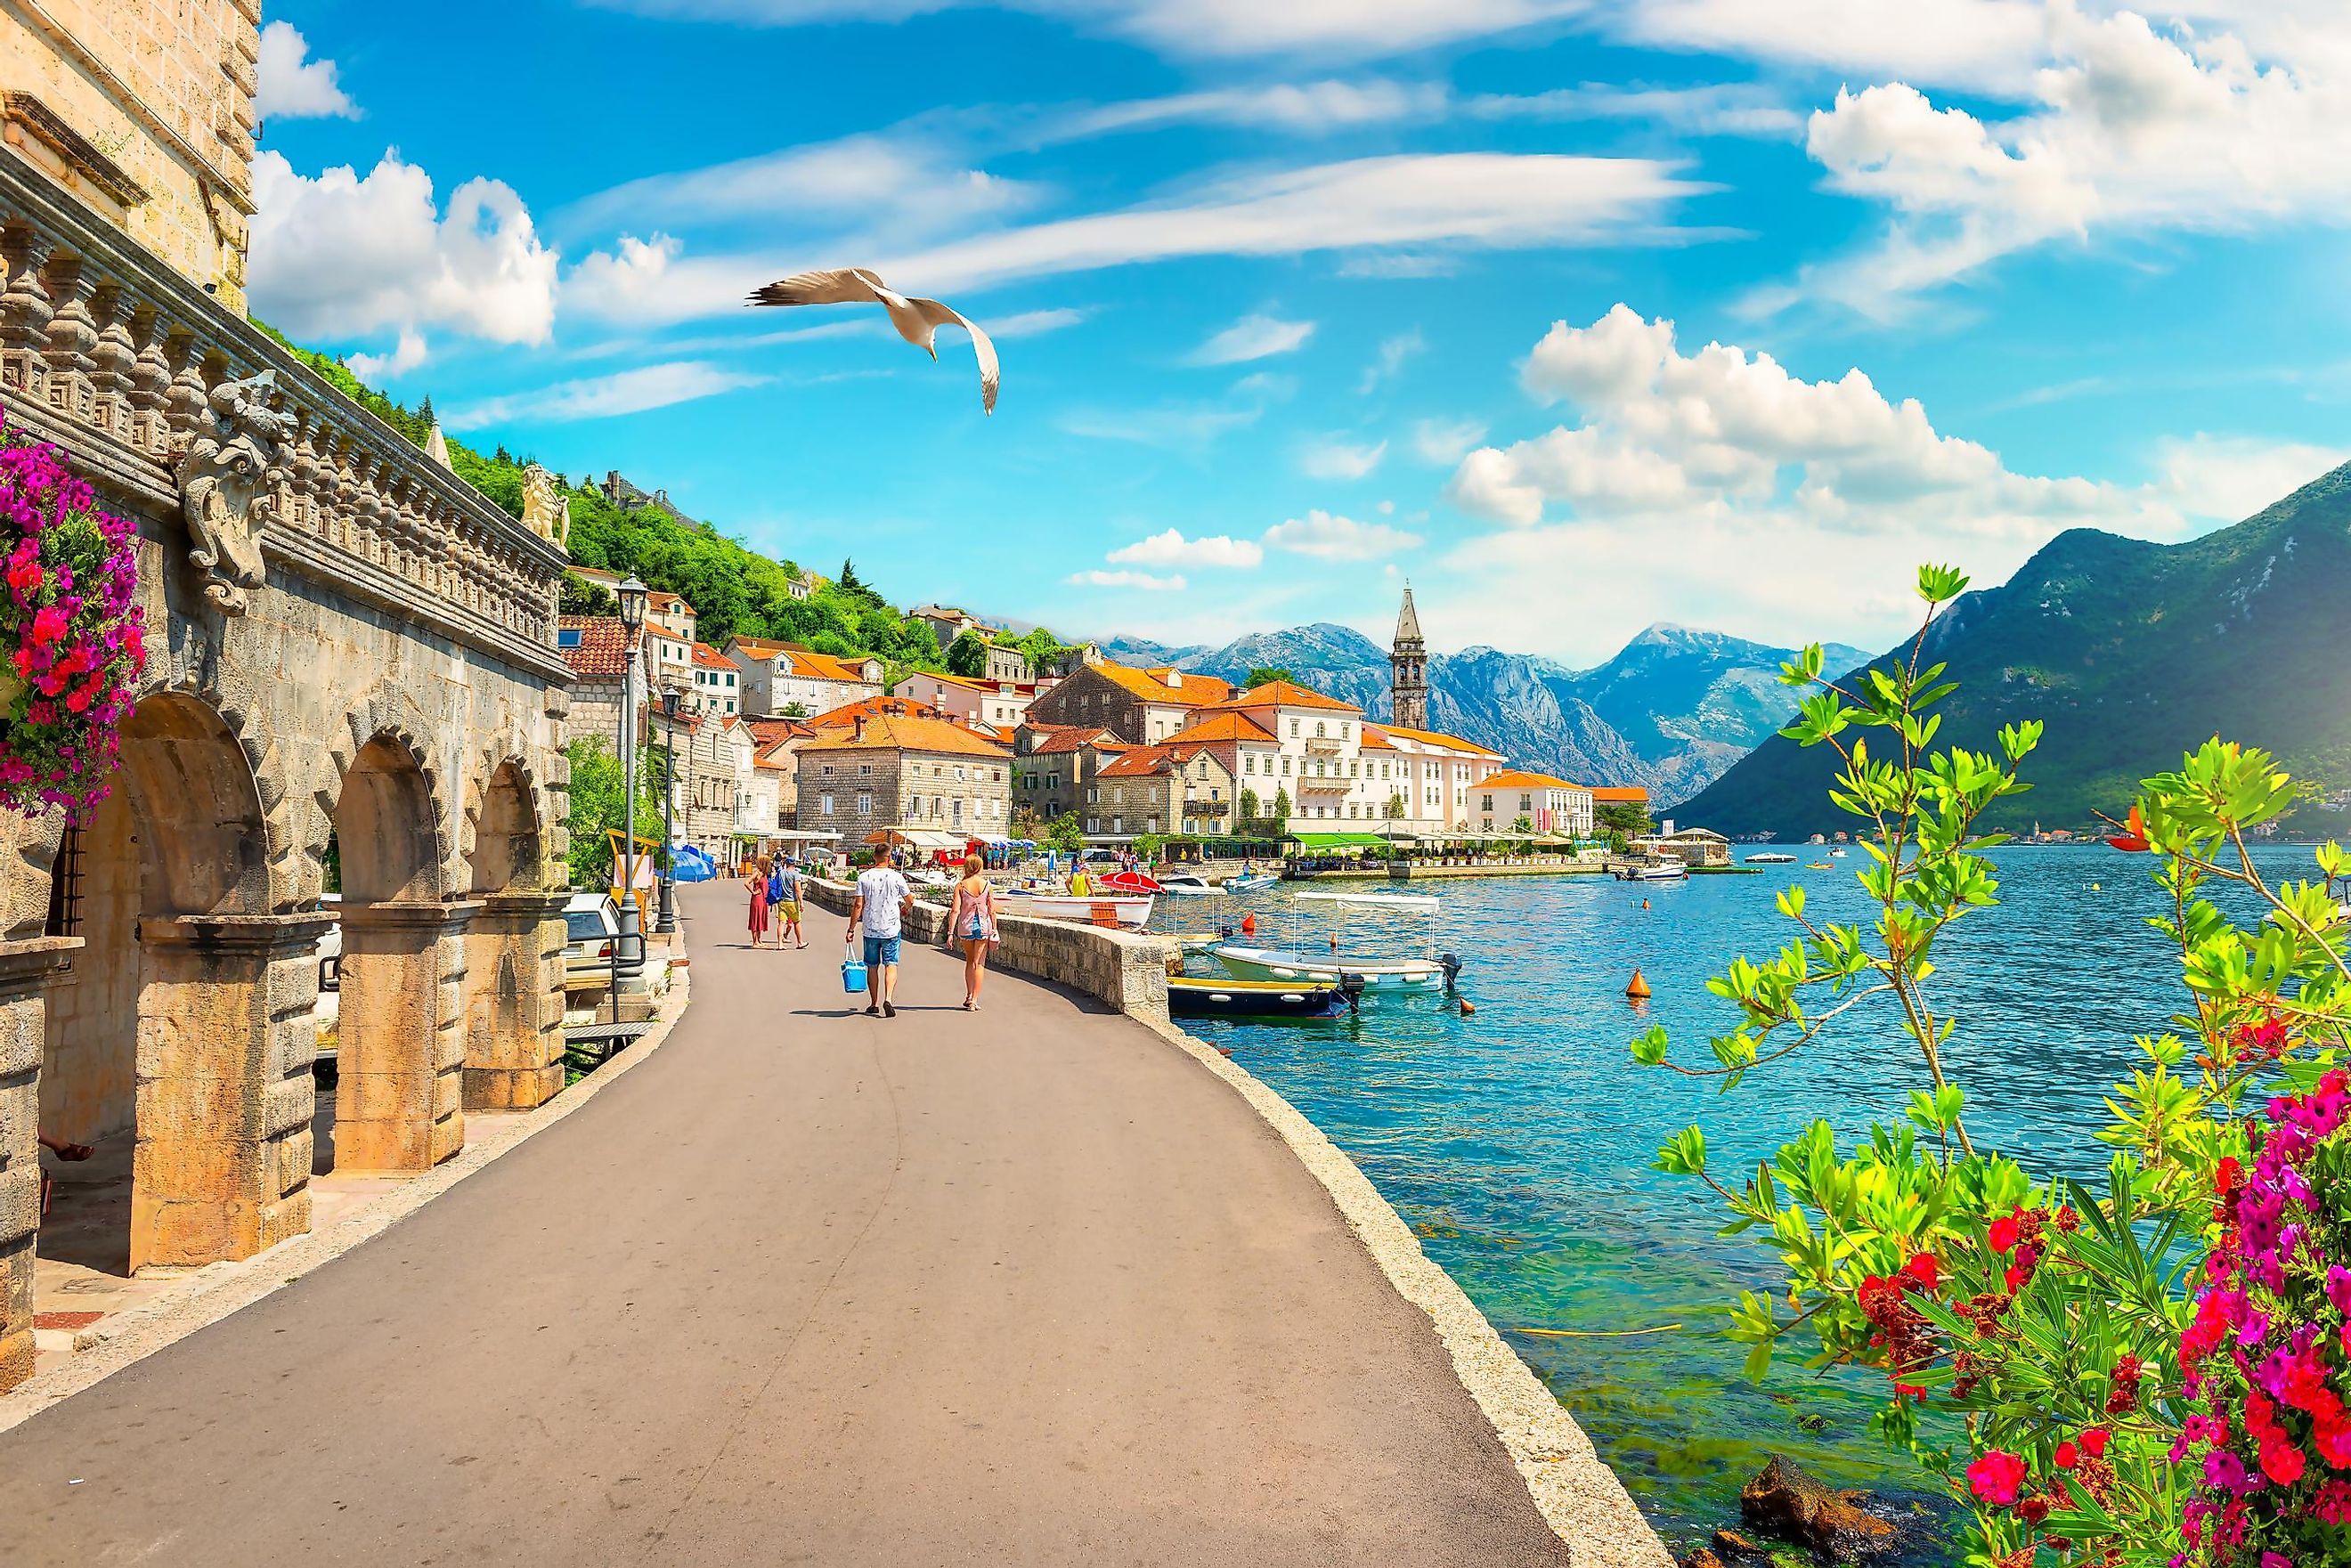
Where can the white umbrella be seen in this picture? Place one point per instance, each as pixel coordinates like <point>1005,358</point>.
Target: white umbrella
<point>917,320</point>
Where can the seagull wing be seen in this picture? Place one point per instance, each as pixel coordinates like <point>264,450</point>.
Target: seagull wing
<point>982,348</point>
<point>832,286</point>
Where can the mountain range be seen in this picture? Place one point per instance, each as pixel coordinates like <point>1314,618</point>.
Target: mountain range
<point>2132,654</point>
<point>1670,711</point>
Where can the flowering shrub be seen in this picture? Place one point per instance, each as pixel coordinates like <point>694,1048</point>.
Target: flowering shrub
<point>74,637</point>
<point>2143,1366</point>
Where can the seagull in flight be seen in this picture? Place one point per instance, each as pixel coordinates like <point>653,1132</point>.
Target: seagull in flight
<point>917,320</point>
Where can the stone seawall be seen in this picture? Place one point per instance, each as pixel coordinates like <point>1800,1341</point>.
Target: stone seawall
<point>1123,969</point>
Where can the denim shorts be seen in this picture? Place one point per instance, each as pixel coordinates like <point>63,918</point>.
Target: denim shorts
<point>880,950</point>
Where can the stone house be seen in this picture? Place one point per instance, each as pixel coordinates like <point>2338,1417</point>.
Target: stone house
<point>1550,805</point>
<point>353,686</point>
<point>1000,705</point>
<point>779,677</point>
<point>904,768</point>
<point>946,623</point>
<point>1163,789</point>
<point>669,628</point>
<point>595,649</point>
<point>775,753</point>
<point>1054,770</point>
<point>714,780</point>
<point>1008,665</point>
<point>1139,707</point>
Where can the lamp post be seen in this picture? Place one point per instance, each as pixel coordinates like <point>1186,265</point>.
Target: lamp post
<point>666,923</point>
<point>629,952</point>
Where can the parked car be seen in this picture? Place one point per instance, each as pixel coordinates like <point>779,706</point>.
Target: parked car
<point>330,945</point>
<point>591,924</point>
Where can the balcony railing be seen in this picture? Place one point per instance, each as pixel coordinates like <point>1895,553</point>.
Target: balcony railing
<point>1201,806</point>
<point>160,395</point>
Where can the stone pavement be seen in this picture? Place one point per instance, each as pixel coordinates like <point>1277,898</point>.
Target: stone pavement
<point>1029,1286</point>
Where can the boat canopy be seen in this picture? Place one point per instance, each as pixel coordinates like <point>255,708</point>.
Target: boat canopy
<point>1340,841</point>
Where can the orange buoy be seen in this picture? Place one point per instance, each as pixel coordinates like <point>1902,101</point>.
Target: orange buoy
<point>1645,903</point>
<point>1637,989</point>
<point>1334,941</point>
<point>1465,1009</point>
<point>1249,925</point>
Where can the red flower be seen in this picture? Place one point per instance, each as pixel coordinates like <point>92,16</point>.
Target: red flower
<point>1922,1271</point>
<point>2134,835</point>
<point>2003,1233</point>
<point>1996,1475</point>
<point>2227,1175</point>
<point>2068,1456</point>
<point>2095,1441</point>
<point>46,627</point>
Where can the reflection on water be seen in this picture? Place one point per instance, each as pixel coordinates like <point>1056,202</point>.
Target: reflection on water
<point>1517,1141</point>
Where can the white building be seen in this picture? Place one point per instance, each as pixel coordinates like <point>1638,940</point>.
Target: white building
<point>1003,705</point>
<point>779,677</point>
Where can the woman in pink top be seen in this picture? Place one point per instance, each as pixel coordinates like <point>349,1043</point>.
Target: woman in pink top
<point>974,925</point>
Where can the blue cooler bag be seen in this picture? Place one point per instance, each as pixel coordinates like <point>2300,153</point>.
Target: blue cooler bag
<point>852,976</point>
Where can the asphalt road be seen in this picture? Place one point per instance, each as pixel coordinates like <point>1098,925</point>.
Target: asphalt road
<point>1027,1287</point>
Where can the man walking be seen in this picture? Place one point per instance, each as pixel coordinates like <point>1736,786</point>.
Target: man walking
<point>879,915</point>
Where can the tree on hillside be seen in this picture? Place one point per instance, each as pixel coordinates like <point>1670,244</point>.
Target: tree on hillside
<point>1041,648</point>
<point>1266,674</point>
<point>580,597</point>
<point>855,587</point>
<point>1622,817</point>
<point>968,655</point>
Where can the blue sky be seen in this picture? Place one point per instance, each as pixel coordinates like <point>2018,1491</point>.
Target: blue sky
<point>1580,313</point>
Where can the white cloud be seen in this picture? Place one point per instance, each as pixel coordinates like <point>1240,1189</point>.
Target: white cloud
<point>1333,457</point>
<point>1139,579</point>
<point>1714,109</point>
<point>1341,29</point>
<point>602,397</point>
<point>1170,547</point>
<point>625,282</point>
<point>1447,441</point>
<point>406,355</point>
<point>290,85</point>
<point>1983,44</point>
<point>1309,108</point>
<point>340,256</point>
<point>2134,131</point>
<point>1180,427</point>
<point>1390,361</point>
<point>1035,323</point>
<point>2229,479</point>
<point>1477,200</point>
<point>1334,538</point>
<point>1252,337</point>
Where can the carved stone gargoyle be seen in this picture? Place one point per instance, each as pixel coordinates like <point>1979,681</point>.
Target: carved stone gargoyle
<point>225,478</point>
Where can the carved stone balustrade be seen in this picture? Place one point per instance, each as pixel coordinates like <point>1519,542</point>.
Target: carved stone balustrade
<point>159,393</point>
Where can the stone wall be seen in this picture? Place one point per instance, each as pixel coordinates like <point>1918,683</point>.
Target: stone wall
<point>1126,970</point>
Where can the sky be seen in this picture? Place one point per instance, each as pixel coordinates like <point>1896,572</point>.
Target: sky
<point>1578,314</point>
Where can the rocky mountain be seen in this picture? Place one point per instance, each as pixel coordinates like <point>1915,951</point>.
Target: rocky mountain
<point>2132,654</point>
<point>1669,712</point>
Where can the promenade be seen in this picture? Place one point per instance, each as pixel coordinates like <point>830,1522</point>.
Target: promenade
<point>1024,1287</point>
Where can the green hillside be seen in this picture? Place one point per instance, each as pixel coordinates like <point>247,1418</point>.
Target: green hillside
<point>734,589</point>
<point>2132,653</point>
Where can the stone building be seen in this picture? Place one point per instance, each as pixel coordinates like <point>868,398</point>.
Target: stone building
<point>903,767</point>
<point>1054,770</point>
<point>1163,789</point>
<point>1139,707</point>
<point>1408,668</point>
<point>628,497</point>
<point>1008,666</point>
<point>1001,704</point>
<point>352,674</point>
<point>781,676</point>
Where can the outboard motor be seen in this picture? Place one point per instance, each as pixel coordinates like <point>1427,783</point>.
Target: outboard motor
<point>1351,986</point>
<point>1452,967</point>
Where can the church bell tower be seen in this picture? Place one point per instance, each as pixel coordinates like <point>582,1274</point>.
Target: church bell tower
<point>1408,668</point>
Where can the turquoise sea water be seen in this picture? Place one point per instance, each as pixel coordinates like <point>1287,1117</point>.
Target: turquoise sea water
<point>1517,1141</point>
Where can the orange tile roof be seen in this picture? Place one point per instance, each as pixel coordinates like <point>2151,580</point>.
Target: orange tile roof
<point>1151,686</point>
<point>1437,739</point>
<point>1141,762</point>
<point>1222,726</point>
<point>1286,693</point>
<point>1631,792</point>
<point>1512,778</point>
<point>710,658</point>
<point>908,732</point>
<point>1064,740</point>
<point>1376,739</point>
<point>819,666</point>
<point>604,650</point>
<point>757,647</point>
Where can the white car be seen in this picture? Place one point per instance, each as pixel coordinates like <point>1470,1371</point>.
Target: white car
<point>591,923</point>
<point>330,945</point>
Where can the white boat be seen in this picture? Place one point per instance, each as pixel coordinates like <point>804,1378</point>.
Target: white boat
<point>1771,858</point>
<point>1184,884</point>
<point>1122,909</point>
<point>1392,900</point>
<point>1837,855</point>
<point>1244,963</point>
<point>1250,882</point>
<point>1667,869</point>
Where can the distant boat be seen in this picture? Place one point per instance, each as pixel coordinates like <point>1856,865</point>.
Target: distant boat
<point>1775,858</point>
<point>1250,881</point>
<point>1185,885</point>
<point>1194,997</point>
<point>1839,854</point>
<point>1667,870</point>
<point>1120,909</point>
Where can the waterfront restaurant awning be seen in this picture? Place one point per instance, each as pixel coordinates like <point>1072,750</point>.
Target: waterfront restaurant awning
<point>917,838</point>
<point>1340,841</point>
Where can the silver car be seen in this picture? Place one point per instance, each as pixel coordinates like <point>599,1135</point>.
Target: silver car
<point>592,924</point>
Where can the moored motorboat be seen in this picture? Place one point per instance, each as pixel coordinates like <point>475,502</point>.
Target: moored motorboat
<point>1185,885</point>
<point>1119,909</point>
<point>1667,870</point>
<point>1249,963</point>
<point>1192,996</point>
<point>1771,858</point>
<point>1250,882</point>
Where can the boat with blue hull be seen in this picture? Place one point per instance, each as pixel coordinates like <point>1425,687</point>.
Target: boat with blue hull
<point>1217,998</point>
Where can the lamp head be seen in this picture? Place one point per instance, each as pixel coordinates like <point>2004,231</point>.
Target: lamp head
<point>632,595</point>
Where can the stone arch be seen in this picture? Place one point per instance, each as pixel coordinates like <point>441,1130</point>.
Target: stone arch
<point>512,995</point>
<point>165,1038</point>
<point>399,1048</point>
<point>387,719</point>
<point>502,835</point>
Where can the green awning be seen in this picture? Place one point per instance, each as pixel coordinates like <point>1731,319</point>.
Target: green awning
<point>1340,841</point>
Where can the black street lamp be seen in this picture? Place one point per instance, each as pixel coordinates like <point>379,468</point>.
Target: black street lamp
<point>629,952</point>
<point>666,923</point>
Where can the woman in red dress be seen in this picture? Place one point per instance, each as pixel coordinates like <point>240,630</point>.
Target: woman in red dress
<point>756,879</point>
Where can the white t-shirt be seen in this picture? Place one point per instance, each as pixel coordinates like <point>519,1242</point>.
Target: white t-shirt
<point>883,890</point>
